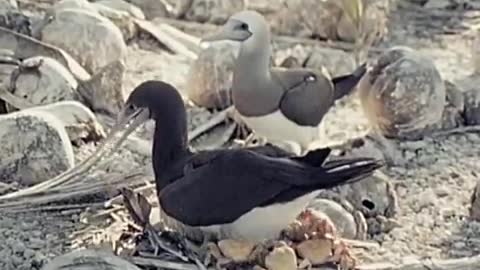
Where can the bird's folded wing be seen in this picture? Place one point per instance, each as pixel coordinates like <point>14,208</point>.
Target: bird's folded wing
<point>307,97</point>
<point>227,187</point>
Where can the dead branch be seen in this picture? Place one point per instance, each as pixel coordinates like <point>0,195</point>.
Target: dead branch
<point>166,38</point>
<point>456,131</point>
<point>26,47</point>
<point>217,119</point>
<point>162,264</point>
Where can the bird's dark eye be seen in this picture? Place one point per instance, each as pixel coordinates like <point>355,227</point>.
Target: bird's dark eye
<point>131,107</point>
<point>244,26</point>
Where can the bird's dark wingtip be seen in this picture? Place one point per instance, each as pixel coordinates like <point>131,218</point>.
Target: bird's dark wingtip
<point>344,85</point>
<point>347,171</point>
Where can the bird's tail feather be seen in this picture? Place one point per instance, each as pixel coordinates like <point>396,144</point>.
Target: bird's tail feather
<point>344,85</point>
<point>346,171</point>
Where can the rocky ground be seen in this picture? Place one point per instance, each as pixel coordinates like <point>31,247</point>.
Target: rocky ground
<point>433,183</point>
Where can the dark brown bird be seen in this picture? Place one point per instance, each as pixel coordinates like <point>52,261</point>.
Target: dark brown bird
<point>250,194</point>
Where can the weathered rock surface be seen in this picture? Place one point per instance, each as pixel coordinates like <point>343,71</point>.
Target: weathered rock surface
<point>35,147</point>
<point>403,94</point>
<point>104,91</point>
<point>8,4</point>
<point>281,257</point>
<point>42,80</point>
<point>121,5</point>
<point>337,62</point>
<point>151,8</point>
<point>372,196</point>
<point>213,11</point>
<point>122,19</point>
<point>78,120</point>
<point>89,259</point>
<point>94,41</point>
<point>210,76</point>
<point>343,220</point>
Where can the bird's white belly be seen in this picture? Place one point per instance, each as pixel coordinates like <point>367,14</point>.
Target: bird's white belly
<point>276,128</point>
<point>263,223</point>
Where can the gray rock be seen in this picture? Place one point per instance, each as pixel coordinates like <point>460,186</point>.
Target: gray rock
<point>121,5</point>
<point>89,259</point>
<point>122,19</point>
<point>74,4</point>
<point>337,62</point>
<point>91,39</point>
<point>8,4</point>
<point>210,76</point>
<point>343,220</point>
<point>306,18</point>
<point>35,147</point>
<point>151,8</point>
<point>42,80</point>
<point>374,25</point>
<point>104,91</point>
<point>403,94</point>
<point>438,4</point>
<point>214,11</point>
<point>78,120</point>
<point>373,196</point>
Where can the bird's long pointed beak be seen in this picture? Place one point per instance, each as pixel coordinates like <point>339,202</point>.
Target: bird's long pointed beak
<point>223,34</point>
<point>130,121</point>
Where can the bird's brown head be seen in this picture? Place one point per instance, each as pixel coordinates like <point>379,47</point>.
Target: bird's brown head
<point>155,100</point>
<point>241,27</point>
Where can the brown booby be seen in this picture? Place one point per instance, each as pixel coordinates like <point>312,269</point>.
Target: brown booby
<point>285,106</point>
<point>230,193</point>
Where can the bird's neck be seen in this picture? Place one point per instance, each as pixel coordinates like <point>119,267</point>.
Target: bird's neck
<point>254,60</point>
<point>251,91</point>
<point>170,145</point>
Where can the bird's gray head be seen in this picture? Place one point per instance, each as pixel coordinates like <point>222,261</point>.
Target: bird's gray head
<point>244,26</point>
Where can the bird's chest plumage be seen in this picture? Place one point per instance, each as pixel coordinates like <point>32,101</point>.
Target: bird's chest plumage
<point>278,128</point>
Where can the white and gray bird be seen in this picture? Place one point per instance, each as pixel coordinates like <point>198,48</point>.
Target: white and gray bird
<point>284,106</point>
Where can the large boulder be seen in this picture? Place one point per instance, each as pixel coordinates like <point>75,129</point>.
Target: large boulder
<point>403,94</point>
<point>93,40</point>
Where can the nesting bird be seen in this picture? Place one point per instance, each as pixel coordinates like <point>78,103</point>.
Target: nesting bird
<point>285,106</point>
<point>249,194</point>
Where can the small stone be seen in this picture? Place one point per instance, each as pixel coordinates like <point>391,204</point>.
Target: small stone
<point>341,218</point>
<point>317,251</point>
<point>448,212</point>
<point>282,257</point>
<point>236,250</point>
<point>459,245</point>
<point>18,247</point>
<point>442,191</point>
<point>36,243</point>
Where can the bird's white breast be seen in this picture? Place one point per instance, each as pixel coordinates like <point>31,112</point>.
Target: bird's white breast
<point>265,222</point>
<point>278,129</point>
